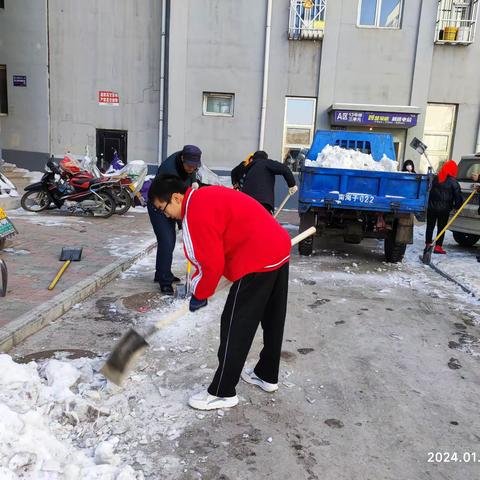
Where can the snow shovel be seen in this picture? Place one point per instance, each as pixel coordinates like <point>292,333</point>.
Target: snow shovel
<point>68,255</point>
<point>183,289</point>
<point>427,253</point>
<point>133,344</point>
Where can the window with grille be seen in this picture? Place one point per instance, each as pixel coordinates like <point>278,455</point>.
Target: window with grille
<point>307,19</point>
<point>456,21</point>
<point>3,90</point>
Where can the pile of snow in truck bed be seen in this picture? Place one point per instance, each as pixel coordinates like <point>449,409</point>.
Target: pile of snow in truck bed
<point>337,157</point>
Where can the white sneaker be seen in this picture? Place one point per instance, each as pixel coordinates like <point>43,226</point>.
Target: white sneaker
<point>248,375</point>
<point>205,401</point>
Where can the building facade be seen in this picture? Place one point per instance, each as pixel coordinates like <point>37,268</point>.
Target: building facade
<point>144,77</point>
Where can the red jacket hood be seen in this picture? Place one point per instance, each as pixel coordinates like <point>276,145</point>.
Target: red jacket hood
<point>449,168</point>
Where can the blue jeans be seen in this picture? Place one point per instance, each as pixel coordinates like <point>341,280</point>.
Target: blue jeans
<point>164,229</point>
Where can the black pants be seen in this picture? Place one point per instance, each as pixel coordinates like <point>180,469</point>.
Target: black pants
<point>436,218</point>
<point>164,229</point>
<point>258,298</point>
<point>267,207</point>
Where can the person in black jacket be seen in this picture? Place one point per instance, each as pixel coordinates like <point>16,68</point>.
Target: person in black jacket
<point>256,177</point>
<point>183,164</point>
<point>445,195</point>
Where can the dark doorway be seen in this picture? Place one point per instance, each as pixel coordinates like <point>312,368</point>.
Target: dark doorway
<point>109,142</point>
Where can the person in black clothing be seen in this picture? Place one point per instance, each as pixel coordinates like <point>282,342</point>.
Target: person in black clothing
<point>184,164</point>
<point>408,166</point>
<point>445,195</point>
<point>256,178</point>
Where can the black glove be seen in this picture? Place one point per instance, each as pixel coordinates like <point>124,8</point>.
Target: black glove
<point>196,304</point>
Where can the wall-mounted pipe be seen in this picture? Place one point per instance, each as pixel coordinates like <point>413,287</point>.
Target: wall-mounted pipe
<point>164,66</point>
<point>266,68</point>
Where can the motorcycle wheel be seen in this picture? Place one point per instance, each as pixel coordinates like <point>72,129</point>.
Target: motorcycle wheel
<point>108,207</point>
<point>35,201</point>
<point>123,200</point>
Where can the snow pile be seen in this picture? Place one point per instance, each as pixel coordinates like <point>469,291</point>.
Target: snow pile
<point>337,157</point>
<point>39,409</point>
<point>7,188</point>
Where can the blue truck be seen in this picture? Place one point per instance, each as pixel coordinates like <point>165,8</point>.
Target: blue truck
<point>360,203</point>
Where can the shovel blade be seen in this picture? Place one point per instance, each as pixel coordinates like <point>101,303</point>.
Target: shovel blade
<point>123,357</point>
<point>426,258</point>
<point>74,254</point>
<point>181,291</point>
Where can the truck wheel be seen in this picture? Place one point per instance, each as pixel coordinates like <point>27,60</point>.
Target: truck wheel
<point>394,252</point>
<point>466,239</point>
<point>307,220</point>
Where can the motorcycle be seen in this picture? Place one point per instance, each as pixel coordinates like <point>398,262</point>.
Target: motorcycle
<point>91,196</point>
<point>77,172</point>
<point>131,176</point>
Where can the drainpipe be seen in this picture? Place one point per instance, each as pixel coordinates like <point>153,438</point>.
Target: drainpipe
<point>266,68</point>
<point>164,49</point>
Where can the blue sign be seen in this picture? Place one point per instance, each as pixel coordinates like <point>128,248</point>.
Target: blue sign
<point>19,80</point>
<point>390,119</point>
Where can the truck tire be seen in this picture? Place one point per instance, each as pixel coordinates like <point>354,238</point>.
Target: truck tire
<point>466,239</point>
<point>307,220</point>
<point>394,252</point>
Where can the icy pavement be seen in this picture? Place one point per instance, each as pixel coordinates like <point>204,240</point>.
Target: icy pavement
<point>379,368</point>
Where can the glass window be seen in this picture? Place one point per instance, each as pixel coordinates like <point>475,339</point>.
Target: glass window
<point>3,90</point>
<point>2,3</point>
<point>219,104</point>
<point>380,13</point>
<point>368,12</point>
<point>299,125</point>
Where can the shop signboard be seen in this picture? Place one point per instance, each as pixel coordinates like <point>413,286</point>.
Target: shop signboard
<point>364,118</point>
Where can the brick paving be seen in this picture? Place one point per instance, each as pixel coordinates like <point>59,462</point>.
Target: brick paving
<point>32,256</point>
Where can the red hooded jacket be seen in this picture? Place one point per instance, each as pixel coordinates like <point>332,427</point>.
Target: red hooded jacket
<point>226,232</point>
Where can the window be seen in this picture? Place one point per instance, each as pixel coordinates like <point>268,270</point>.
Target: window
<point>2,3</point>
<point>3,90</point>
<point>299,125</point>
<point>307,19</point>
<point>456,21</point>
<point>218,104</point>
<point>380,13</point>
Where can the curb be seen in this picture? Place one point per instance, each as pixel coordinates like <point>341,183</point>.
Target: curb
<point>34,320</point>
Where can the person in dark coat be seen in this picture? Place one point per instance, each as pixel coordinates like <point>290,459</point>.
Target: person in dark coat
<point>408,166</point>
<point>256,178</point>
<point>445,195</point>
<point>183,164</point>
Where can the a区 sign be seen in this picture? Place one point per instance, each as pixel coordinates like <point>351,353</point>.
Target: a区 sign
<point>106,97</point>
<point>388,119</point>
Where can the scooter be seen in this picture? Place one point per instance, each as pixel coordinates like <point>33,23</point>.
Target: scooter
<point>92,198</point>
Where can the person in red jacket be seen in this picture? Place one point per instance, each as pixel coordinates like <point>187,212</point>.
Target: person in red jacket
<point>227,233</point>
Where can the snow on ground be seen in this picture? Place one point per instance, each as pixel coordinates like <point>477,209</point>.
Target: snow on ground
<point>337,157</point>
<point>42,408</point>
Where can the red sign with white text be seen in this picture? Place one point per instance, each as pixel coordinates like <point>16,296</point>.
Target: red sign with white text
<point>108,98</point>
